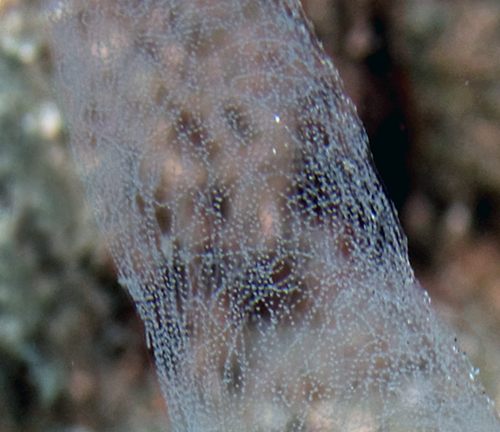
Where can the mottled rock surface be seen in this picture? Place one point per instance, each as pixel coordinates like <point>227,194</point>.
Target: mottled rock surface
<point>424,75</point>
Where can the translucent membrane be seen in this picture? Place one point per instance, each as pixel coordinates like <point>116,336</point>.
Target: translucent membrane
<point>231,178</point>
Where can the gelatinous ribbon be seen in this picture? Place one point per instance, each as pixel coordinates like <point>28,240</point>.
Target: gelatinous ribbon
<point>231,178</point>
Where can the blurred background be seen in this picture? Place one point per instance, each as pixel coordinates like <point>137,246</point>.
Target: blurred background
<point>425,76</point>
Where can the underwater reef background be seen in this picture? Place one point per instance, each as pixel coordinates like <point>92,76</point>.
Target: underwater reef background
<point>424,76</point>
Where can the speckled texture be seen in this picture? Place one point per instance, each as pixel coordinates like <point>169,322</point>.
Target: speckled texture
<point>231,178</point>
<point>71,355</point>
